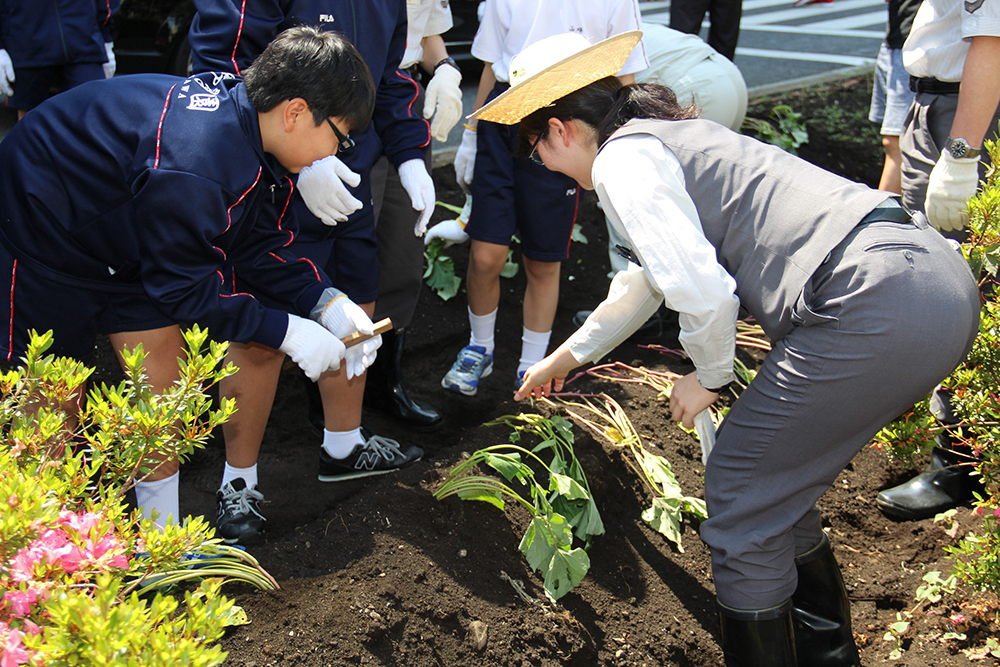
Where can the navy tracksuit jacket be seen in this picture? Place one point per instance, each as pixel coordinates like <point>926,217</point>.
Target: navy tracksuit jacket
<point>156,183</point>
<point>42,33</point>
<point>227,35</point>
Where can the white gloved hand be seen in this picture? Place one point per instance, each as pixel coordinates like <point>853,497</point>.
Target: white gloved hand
<point>444,101</point>
<point>321,185</point>
<point>951,185</point>
<point>6,74</point>
<point>465,160</point>
<point>419,185</point>
<point>312,347</point>
<point>111,65</point>
<point>450,231</point>
<point>342,317</point>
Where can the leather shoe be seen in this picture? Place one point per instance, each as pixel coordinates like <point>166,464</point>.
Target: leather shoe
<point>946,483</point>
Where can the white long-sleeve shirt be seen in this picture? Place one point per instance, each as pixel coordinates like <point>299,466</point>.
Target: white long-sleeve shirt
<point>641,187</point>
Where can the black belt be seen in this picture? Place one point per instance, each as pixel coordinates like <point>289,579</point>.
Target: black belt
<point>933,86</point>
<point>887,213</point>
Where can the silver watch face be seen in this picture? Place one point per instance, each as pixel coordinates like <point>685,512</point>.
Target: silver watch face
<point>959,148</point>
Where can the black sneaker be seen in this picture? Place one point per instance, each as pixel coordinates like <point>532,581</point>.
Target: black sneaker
<point>239,518</point>
<point>377,456</point>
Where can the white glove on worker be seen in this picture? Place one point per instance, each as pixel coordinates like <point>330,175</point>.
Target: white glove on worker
<point>6,74</point>
<point>111,65</point>
<point>951,185</point>
<point>312,347</point>
<point>444,101</point>
<point>452,231</point>
<point>322,186</point>
<point>465,160</point>
<point>342,317</point>
<point>419,185</point>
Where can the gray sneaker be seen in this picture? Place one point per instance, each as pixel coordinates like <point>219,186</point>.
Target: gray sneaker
<point>239,519</point>
<point>376,456</point>
<point>472,365</point>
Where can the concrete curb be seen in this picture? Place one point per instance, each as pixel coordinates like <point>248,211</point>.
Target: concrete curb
<point>446,155</point>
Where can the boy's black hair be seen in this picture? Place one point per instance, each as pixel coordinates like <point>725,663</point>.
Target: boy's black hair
<point>321,67</point>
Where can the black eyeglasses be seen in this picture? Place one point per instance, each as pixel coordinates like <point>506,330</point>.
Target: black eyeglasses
<point>344,140</point>
<point>533,155</point>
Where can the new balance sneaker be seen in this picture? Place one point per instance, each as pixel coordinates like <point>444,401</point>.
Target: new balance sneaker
<point>472,365</point>
<point>377,456</point>
<point>239,518</point>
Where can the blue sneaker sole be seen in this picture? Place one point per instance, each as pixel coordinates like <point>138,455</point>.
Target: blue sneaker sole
<point>460,389</point>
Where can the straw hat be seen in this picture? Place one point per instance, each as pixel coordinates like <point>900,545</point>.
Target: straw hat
<point>555,67</point>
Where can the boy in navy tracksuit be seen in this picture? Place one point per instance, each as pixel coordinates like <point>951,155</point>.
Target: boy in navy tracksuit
<point>134,205</point>
<point>47,42</point>
<point>227,35</point>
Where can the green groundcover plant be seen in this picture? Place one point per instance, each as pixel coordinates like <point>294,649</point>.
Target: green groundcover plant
<point>84,580</point>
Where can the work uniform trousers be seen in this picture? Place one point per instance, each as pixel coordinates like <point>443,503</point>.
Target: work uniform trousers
<point>400,251</point>
<point>891,312</point>
<point>723,18</point>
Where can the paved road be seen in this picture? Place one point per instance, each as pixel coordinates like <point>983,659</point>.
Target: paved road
<point>780,47</point>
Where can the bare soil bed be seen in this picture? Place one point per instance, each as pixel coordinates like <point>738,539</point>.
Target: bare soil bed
<point>377,572</point>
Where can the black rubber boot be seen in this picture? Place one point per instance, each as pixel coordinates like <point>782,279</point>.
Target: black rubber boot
<point>384,390</point>
<point>946,483</point>
<point>758,637</point>
<point>821,611</point>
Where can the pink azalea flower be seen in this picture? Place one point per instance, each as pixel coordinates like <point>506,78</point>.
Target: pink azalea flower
<point>12,652</point>
<point>82,523</point>
<point>996,512</point>
<point>20,601</point>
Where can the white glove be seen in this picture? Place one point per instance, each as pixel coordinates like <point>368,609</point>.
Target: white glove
<point>109,67</point>
<point>444,101</point>
<point>450,231</point>
<point>465,160</point>
<point>312,347</point>
<point>321,185</point>
<point>6,74</point>
<point>951,185</point>
<point>418,184</point>
<point>342,317</point>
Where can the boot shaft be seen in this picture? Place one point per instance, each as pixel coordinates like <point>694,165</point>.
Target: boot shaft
<point>758,637</point>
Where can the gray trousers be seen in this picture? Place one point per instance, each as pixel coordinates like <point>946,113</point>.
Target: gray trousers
<point>889,314</point>
<point>925,132</point>
<point>400,252</point>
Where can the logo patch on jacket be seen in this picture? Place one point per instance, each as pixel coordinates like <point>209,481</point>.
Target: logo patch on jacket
<point>203,102</point>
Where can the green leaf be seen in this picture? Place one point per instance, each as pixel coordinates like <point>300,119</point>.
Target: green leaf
<point>545,534</point>
<point>508,465</point>
<point>578,235</point>
<point>236,615</point>
<point>567,487</point>
<point>665,518</point>
<point>487,495</point>
<point>565,570</point>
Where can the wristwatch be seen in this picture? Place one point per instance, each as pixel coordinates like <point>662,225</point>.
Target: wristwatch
<point>447,61</point>
<point>960,148</point>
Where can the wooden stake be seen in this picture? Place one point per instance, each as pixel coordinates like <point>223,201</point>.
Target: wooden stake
<point>381,327</point>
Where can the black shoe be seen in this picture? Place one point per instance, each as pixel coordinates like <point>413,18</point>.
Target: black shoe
<point>650,332</point>
<point>758,637</point>
<point>821,611</point>
<point>377,456</point>
<point>385,392</point>
<point>947,483</point>
<point>239,519</point>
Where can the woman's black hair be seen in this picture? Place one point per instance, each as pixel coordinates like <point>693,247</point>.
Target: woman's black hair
<point>321,67</point>
<point>605,105</point>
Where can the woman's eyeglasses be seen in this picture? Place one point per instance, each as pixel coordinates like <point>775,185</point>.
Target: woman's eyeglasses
<point>344,140</point>
<point>533,154</point>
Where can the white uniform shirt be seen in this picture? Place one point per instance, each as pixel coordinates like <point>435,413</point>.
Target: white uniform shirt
<point>508,26</point>
<point>641,187</point>
<point>423,19</point>
<point>671,53</point>
<point>939,37</point>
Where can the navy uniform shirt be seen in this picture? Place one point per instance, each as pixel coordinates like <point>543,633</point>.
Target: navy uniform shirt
<point>155,183</point>
<point>42,33</point>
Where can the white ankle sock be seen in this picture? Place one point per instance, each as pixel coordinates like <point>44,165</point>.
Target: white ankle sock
<point>483,327</point>
<point>249,475</point>
<point>533,347</point>
<point>161,496</point>
<point>339,444</point>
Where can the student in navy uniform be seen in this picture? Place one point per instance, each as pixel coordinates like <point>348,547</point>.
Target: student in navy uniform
<point>134,205</point>
<point>226,35</point>
<point>49,42</point>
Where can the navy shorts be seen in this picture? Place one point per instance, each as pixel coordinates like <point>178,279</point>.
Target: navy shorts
<point>75,315</point>
<point>514,195</point>
<point>34,84</point>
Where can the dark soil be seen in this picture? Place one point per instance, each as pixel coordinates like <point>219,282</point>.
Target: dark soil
<point>377,572</point>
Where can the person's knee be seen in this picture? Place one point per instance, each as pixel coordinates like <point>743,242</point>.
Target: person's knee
<point>541,272</point>
<point>486,259</point>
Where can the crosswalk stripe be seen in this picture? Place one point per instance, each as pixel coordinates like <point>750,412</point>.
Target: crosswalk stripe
<point>854,61</point>
<point>813,12</point>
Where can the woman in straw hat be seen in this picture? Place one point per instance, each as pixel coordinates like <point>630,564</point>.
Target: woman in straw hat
<point>867,309</point>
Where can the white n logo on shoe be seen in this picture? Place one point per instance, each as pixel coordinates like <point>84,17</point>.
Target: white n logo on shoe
<point>367,461</point>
